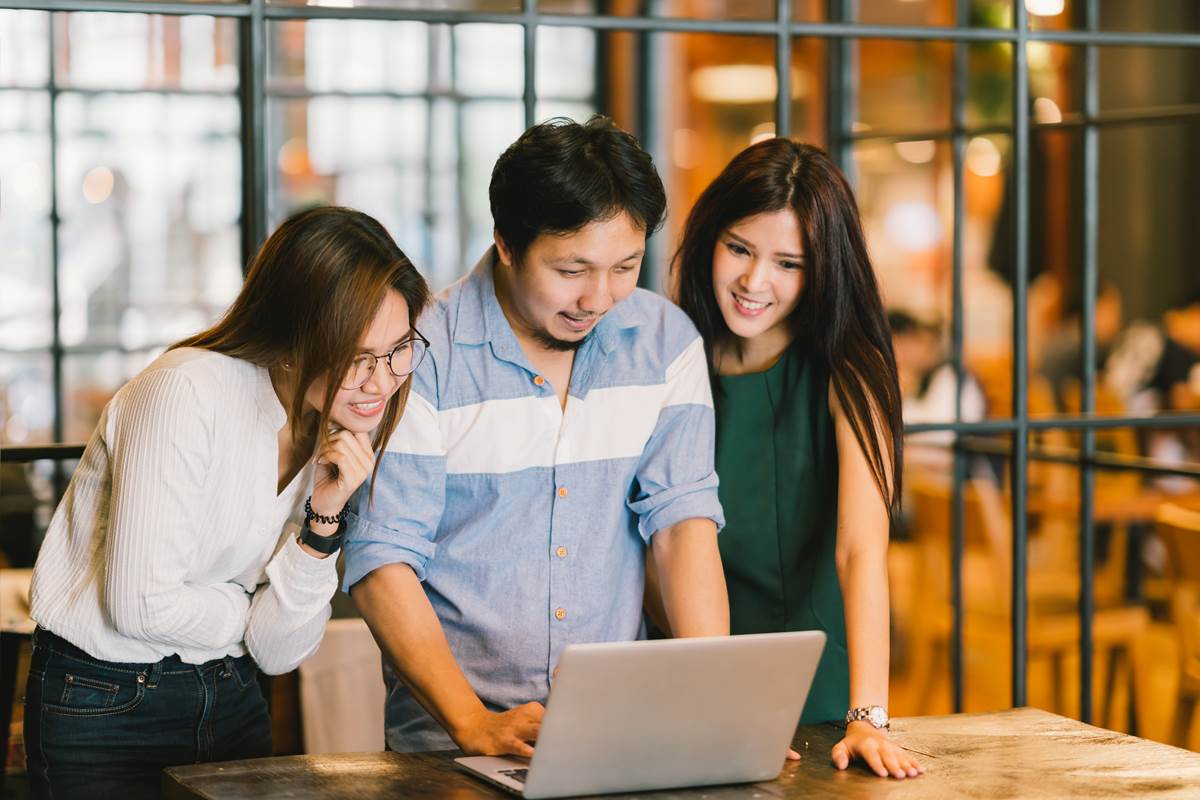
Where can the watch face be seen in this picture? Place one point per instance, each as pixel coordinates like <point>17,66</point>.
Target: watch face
<point>877,716</point>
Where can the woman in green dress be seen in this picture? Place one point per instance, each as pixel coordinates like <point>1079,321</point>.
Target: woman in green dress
<point>773,269</point>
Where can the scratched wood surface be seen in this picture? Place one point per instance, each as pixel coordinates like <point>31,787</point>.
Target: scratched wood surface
<point>1009,754</point>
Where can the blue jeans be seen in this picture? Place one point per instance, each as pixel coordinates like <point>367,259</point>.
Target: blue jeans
<point>98,728</point>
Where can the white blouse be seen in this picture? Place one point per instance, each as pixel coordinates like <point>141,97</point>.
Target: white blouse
<point>172,539</point>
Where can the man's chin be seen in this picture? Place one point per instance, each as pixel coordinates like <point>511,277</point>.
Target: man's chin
<point>562,345</point>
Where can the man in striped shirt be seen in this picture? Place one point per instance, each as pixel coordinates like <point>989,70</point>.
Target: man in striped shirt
<point>560,427</point>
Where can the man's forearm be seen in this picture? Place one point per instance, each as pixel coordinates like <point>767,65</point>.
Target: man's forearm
<point>691,580</point>
<point>409,633</point>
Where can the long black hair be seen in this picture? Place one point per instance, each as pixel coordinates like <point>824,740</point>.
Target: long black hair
<point>839,320</point>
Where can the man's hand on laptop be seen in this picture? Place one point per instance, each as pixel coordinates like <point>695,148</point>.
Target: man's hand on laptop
<point>881,755</point>
<point>511,732</point>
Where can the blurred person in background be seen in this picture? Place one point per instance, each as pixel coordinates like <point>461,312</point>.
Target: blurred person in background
<point>774,271</point>
<point>927,384</point>
<point>184,556</point>
<point>1156,367</point>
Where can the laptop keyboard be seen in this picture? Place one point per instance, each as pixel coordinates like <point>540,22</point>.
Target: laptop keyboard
<point>517,775</point>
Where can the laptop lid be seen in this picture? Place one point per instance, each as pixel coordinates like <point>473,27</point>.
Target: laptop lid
<point>633,716</point>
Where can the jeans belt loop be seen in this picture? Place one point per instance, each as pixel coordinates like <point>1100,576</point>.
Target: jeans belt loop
<point>228,667</point>
<point>154,674</point>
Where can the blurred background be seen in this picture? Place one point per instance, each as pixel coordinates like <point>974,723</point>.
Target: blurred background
<point>1036,246</point>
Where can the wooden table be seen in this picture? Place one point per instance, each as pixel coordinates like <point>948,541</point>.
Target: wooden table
<point>1010,754</point>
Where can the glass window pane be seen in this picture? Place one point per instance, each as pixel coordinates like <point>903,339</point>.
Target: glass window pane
<point>334,55</point>
<point>905,12</point>
<point>24,48</point>
<point>25,279</point>
<point>139,51</point>
<point>1149,179</point>
<point>90,380</point>
<point>988,268</point>
<point>150,200</point>
<point>1116,15</point>
<point>328,150</point>
<point>698,9</point>
<point>905,85</point>
<point>489,60</point>
<point>905,191</point>
<point>1148,77</point>
<point>426,180</point>
<point>712,95</point>
<point>809,71</point>
<point>566,63</point>
<point>494,6</point>
<point>989,84</point>
<point>26,398</point>
<point>980,13</point>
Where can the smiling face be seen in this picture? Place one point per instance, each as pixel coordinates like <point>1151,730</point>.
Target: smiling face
<point>359,410</point>
<point>564,285</point>
<point>758,276</point>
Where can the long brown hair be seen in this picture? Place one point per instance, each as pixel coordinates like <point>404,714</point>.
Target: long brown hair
<point>839,320</point>
<point>311,291</point>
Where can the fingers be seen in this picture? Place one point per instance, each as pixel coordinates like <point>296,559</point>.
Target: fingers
<point>517,747</point>
<point>353,458</point>
<point>875,762</point>
<point>792,755</point>
<point>891,760</point>
<point>840,755</point>
<point>910,765</point>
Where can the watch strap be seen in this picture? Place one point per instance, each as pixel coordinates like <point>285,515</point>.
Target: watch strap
<point>871,715</point>
<point>322,544</point>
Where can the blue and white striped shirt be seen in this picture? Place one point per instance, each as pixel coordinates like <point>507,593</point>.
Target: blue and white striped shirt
<point>528,522</point>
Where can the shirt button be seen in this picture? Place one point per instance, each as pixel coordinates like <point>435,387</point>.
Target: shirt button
<point>560,613</point>
<point>539,380</point>
<point>561,552</point>
<point>562,491</point>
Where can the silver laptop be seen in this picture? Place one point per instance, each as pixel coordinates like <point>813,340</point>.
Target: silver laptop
<point>635,716</point>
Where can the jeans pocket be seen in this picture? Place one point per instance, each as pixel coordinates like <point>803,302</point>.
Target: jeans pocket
<point>80,691</point>
<point>245,672</point>
<point>85,690</point>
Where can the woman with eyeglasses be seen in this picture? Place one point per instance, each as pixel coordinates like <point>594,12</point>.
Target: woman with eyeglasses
<point>192,547</point>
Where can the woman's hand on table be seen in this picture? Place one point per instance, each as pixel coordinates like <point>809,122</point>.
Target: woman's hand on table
<point>511,732</point>
<point>872,745</point>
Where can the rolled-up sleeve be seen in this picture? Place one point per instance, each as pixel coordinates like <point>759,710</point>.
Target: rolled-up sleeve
<point>396,522</point>
<point>676,478</point>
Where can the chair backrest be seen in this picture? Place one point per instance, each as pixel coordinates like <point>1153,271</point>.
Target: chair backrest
<point>1179,529</point>
<point>986,563</point>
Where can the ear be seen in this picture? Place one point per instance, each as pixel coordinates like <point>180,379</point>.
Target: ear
<point>502,249</point>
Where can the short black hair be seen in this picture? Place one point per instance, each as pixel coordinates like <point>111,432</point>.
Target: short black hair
<point>561,176</point>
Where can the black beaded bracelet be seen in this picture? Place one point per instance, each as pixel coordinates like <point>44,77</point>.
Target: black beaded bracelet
<point>310,515</point>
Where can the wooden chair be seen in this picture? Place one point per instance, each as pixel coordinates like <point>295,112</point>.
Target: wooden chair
<point>1179,529</point>
<point>1053,588</point>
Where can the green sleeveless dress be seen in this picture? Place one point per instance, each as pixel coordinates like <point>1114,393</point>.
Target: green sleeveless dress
<point>777,464</point>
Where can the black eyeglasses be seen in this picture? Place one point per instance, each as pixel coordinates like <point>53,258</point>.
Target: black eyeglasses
<point>402,360</point>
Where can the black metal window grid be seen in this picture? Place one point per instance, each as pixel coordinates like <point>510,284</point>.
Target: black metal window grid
<point>841,33</point>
